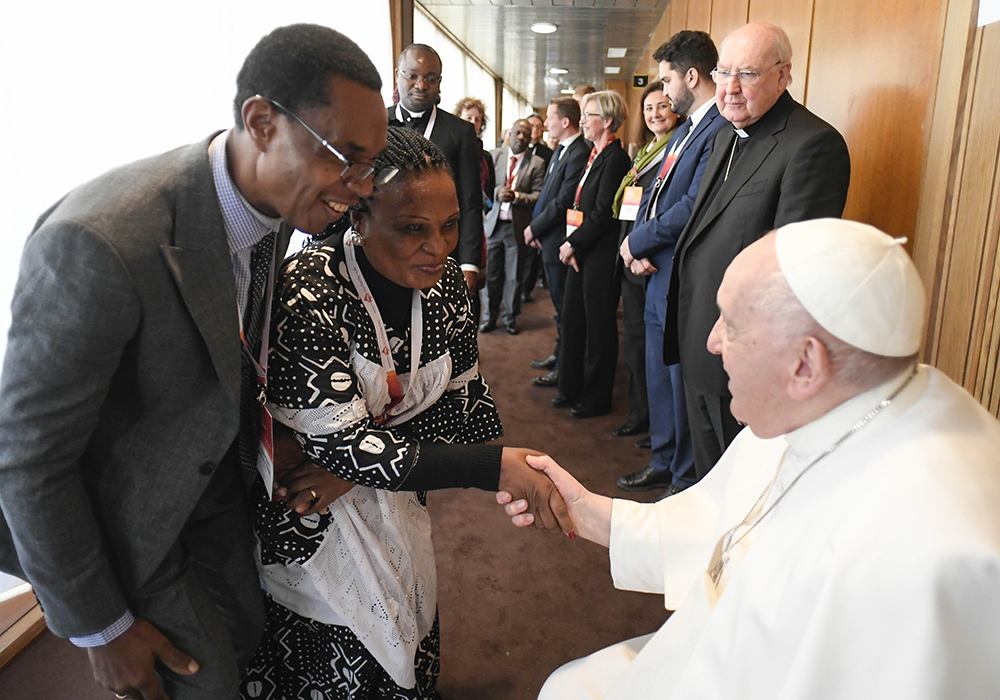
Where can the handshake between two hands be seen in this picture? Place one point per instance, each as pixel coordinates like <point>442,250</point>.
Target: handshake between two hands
<point>535,491</point>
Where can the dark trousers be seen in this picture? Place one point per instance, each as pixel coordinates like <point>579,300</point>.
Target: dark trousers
<point>505,258</point>
<point>713,427</point>
<point>668,419</point>
<point>205,597</point>
<point>555,273</point>
<point>634,340</point>
<point>532,270</point>
<point>589,351</point>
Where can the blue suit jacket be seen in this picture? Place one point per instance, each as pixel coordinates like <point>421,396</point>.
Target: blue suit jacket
<point>655,238</point>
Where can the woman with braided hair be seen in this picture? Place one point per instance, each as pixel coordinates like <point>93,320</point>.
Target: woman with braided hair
<point>374,367</point>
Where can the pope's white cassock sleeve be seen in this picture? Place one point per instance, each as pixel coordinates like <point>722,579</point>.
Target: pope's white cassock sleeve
<point>877,577</point>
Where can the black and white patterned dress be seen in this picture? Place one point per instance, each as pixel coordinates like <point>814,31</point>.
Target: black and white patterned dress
<point>353,608</point>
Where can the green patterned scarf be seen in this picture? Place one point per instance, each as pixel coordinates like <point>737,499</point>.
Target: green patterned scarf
<point>647,154</point>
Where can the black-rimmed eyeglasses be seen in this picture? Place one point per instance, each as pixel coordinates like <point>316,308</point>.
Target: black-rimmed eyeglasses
<point>355,173</point>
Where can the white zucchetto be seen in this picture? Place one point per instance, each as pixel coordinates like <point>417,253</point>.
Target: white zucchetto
<point>857,282</point>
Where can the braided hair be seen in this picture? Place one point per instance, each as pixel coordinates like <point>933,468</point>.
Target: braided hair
<point>409,153</point>
<point>406,151</point>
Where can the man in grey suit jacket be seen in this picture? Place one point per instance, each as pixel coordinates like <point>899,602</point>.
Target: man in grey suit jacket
<point>519,176</point>
<point>547,229</point>
<point>120,399</point>
<point>781,164</point>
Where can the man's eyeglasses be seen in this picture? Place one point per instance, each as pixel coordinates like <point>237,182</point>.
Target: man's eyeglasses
<point>743,77</point>
<point>355,173</point>
<point>413,77</point>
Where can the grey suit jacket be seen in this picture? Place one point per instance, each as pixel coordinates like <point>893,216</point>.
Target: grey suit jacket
<point>528,181</point>
<point>119,396</point>
<point>795,167</point>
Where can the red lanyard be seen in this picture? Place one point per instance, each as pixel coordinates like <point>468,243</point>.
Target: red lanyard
<point>385,352</point>
<point>593,154</point>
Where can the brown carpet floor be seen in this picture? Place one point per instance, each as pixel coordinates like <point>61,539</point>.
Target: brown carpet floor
<point>514,604</point>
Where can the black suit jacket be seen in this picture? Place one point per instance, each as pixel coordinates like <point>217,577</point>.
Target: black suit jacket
<point>548,223</point>
<point>795,167</point>
<point>457,139</point>
<point>600,228</point>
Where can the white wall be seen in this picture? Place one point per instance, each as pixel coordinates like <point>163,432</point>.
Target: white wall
<point>461,76</point>
<point>85,86</point>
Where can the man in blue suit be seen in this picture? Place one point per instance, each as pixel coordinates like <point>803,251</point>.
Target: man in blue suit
<point>547,230</point>
<point>686,62</point>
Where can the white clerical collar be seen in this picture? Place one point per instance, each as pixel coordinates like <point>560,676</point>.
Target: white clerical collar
<point>565,144</point>
<point>697,115</point>
<point>415,115</point>
<point>742,134</point>
<point>822,432</point>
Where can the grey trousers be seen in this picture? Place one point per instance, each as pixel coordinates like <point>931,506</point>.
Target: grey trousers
<point>205,597</point>
<point>505,258</point>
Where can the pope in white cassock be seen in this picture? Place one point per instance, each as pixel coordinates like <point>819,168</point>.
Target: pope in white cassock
<point>847,545</point>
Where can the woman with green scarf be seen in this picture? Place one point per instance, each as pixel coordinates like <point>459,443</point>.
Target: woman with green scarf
<point>659,123</point>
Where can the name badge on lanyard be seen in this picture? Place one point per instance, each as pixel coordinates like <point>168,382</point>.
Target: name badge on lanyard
<point>574,219</point>
<point>630,203</point>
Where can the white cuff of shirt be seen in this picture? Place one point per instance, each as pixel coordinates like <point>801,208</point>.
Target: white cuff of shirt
<point>109,634</point>
<point>470,268</point>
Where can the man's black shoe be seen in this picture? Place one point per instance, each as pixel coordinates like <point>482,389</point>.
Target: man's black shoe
<point>562,402</point>
<point>511,328</point>
<point>550,379</point>
<point>487,326</point>
<point>645,443</point>
<point>671,490</point>
<point>629,430</point>
<point>584,412</point>
<point>645,479</point>
<point>548,363</point>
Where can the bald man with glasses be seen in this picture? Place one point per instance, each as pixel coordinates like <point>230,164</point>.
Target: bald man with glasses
<point>778,164</point>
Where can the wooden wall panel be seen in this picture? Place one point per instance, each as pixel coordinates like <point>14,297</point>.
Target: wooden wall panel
<point>871,74</point>
<point>947,118</point>
<point>986,385</point>
<point>678,12</point>
<point>669,24</point>
<point>965,323</point>
<point>727,15</point>
<point>795,17</point>
<point>699,15</point>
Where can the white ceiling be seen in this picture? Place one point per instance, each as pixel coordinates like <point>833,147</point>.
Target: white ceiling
<point>498,32</point>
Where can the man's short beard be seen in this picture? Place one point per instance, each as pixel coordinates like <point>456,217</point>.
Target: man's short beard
<point>683,106</point>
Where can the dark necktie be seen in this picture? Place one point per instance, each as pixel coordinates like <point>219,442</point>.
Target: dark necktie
<point>253,317</point>
<point>555,157</point>
<point>543,198</point>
